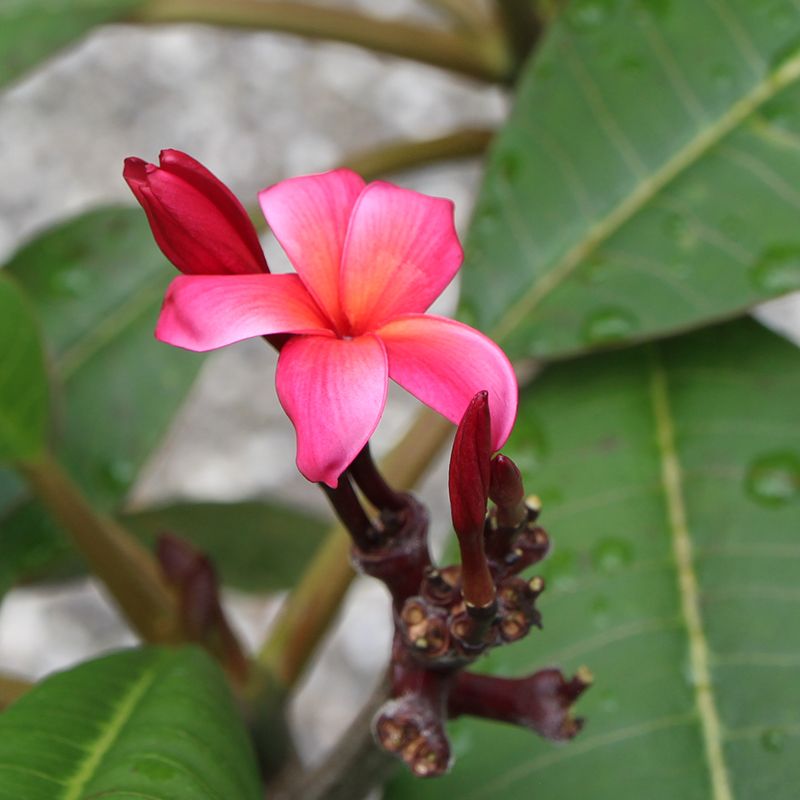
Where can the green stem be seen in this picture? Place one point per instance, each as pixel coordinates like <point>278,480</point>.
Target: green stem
<point>485,58</point>
<point>128,570</point>
<point>399,156</point>
<point>11,689</point>
<point>522,25</point>
<point>315,601</point>
<point>466,14</point>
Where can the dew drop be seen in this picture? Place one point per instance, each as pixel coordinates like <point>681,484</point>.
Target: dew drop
<point>608,703</point>
<point>589,15</point>
<point>774,479</point>
<point>612,554</point>
<point>680,231</point>
<point>71,282</point>
<point>778,270</point>
<point>595,270</point>
<point>722,77</point>
<point>510,165</point>
<point>631,64</point>
<point>118,473</point>
<point>601,617</point>
<point>607,325</point>
<point>560,568</point>
<point>155,770</point>
<point>773,740</point>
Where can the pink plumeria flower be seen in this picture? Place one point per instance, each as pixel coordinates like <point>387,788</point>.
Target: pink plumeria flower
<point>370,260</point>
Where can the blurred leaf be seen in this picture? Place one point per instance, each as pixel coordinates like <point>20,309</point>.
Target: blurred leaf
<point>670,476</point>
<point>23,382</point>
<point>32,30</point>
<point>141,723</point>
<point>256,546</point>
<point>646,181</point>
<point>97,282</point>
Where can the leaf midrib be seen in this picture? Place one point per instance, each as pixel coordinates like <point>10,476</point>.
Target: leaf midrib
<point>644,192</point>
<point>688,588</point>
<point>109,735</point>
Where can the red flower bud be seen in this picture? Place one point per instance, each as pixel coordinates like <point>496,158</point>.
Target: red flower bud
<point>196,220</point>
<point>469,493</point>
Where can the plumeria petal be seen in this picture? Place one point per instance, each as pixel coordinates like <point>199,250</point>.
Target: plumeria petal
<point>334,391</point>
<point>445,363</point>
<point>196,220</point>
<point>203,312</point>
<point>401,251</point>
<point>309,217</point>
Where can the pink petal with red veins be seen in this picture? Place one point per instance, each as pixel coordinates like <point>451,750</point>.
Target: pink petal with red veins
<point>309,217</point>
<point>196,220</point>
<point>203,312</point>
<point>445,363</point>
<point>334,391</point>
<point>401,252</point>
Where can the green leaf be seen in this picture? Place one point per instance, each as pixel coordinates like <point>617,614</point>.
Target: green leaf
<point>670,477</point>
<point>256,546</point>
<point>32,30</point>
<point>97,282</point>
<point>23,381</point>
<point>150,723</point>
<point>646,181</point>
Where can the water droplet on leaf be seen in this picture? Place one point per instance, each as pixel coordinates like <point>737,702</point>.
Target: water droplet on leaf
<point>773,740</point>
<point>589,14</point>
<point>722,77</point>
<point>560,568</point>
<point>155,770</point>
<point>600,612</point>
<point>778,270</point>
<point>71,282</point>
<point>608,325</point>
<point>611,554</point>
<point>118,473</point>
<point>774,479</point>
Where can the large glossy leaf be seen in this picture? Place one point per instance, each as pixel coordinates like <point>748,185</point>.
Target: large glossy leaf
<point>256,546</point>
<point>23,382</point>
<point>670,476</point>
<point>31,30</point>
<point>647,179</point>
<point>97,282</point>
<point>150,723</point>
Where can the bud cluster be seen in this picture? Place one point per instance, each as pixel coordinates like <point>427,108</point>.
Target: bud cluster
<point>447,616</point>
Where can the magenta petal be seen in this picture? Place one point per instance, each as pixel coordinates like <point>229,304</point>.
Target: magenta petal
<point>203,312</point>
<point>196,220</point>
<point>401,252</point>
<point>309,216</point>
<point>334,391</point>
<point>445,363</point>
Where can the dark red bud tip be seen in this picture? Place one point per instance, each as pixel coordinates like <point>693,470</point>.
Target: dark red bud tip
<point>470,467</point>
<point>177,557</point>
<point>505,486</point>
<point>195,219</point>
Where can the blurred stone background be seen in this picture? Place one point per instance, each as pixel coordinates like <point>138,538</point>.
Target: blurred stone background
<point>255,108</point>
